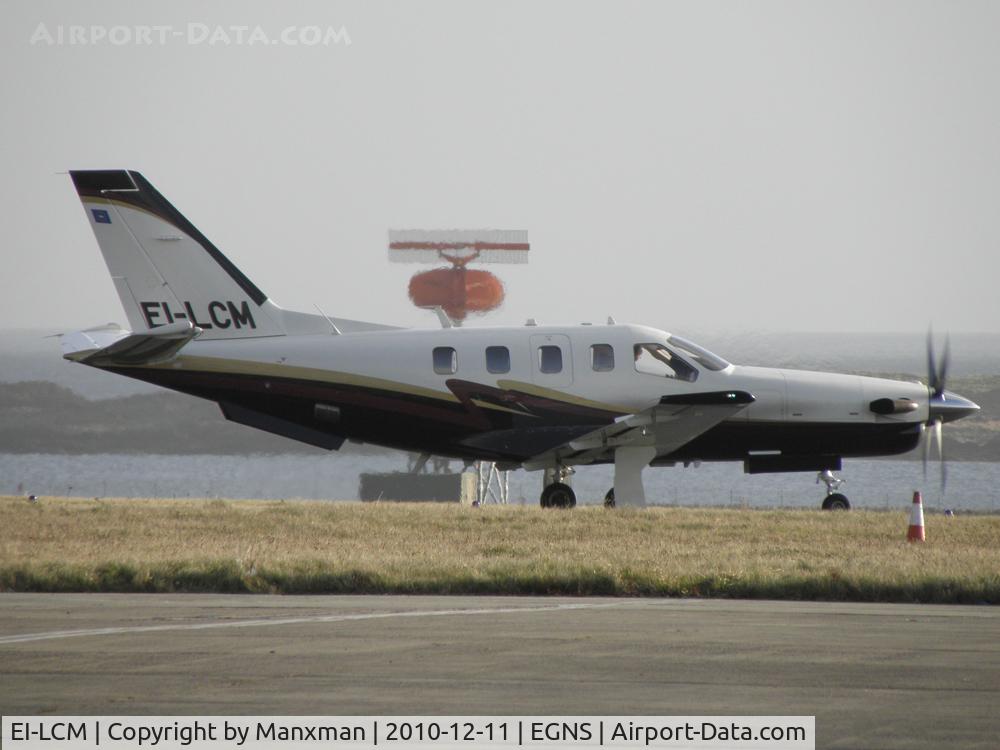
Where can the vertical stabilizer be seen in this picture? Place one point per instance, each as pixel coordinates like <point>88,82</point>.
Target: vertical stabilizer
<point>164,269</point>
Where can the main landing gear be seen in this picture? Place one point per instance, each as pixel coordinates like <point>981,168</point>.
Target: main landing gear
<point>557,492</point>
<point>834,500</point>
<point>630,460</point>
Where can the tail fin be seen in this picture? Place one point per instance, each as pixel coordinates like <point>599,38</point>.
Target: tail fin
<point>164,269</point>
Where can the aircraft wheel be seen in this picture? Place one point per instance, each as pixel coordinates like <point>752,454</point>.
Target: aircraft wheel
<point>558,495</point>
<point>836,501</point>
<point>609,498</point>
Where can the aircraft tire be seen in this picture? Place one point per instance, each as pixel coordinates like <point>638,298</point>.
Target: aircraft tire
<point>836,501</point>
<point>609,498</point>
<point>558,495</point>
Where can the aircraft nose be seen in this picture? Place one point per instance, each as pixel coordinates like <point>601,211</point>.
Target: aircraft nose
<point>950,406</point>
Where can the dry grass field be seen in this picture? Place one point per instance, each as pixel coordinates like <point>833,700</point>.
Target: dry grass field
<point>313,547</point>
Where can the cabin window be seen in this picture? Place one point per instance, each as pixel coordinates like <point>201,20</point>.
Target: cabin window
<point>549,359</point>
<point>602,357</point>
<point>497,359</point>
<point>656,359</point>
<point>445,360</point>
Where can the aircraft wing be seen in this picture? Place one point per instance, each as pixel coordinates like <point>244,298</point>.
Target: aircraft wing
<point>668,425</point>
<point>111,345</point>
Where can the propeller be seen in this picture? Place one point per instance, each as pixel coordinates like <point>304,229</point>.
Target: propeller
<point>942,405</point>
<point>937,379</point>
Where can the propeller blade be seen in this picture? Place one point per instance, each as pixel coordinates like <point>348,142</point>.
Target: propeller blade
<point>925,446</point>
<point>942,377</point>
<point>931,364</point>
<point>933,436</point>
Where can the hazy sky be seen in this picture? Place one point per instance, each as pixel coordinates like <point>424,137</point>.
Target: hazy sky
<point>735,166</point>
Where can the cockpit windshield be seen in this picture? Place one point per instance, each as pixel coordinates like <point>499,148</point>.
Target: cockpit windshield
<point>656,359</point>
<point>698,354</point>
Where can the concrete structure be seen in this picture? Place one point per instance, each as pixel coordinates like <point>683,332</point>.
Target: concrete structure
<point>403,485</point>
<point>875,676</point>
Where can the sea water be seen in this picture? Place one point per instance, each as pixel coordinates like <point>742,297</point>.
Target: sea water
<point>972,486</point>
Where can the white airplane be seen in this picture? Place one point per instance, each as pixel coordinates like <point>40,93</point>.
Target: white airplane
<point>532,397</point>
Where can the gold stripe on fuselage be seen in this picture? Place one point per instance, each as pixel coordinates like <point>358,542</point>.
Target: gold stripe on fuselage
<point>194,363</point>
<point>315,374</point>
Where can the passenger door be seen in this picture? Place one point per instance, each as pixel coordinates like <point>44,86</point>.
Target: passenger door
<point>551,360</point>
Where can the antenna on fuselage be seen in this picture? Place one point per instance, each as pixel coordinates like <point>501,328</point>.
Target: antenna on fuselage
<point>336,331</point>
<point>446,322</point>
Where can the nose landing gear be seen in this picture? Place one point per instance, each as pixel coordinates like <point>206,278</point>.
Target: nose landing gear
<point>834,500</point>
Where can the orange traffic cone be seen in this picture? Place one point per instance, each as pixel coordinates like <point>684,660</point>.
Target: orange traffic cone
<point>916,531</point>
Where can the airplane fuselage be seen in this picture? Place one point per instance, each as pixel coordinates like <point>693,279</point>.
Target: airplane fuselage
<point>455,405</point>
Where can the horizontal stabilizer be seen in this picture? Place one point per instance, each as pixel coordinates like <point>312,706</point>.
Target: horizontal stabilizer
<point>114,346</point>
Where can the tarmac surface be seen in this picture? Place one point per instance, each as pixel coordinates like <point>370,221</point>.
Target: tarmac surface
<point>875,676</point>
